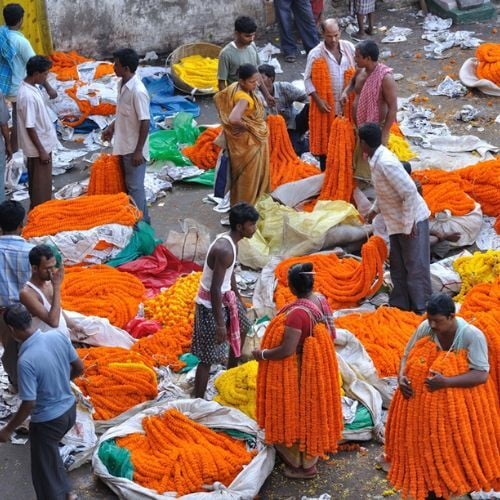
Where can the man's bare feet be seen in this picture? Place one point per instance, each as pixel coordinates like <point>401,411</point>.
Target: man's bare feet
<point>369,30</point>
<point>358,34</point>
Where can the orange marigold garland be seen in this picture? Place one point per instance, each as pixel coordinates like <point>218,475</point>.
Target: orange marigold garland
<point>349,104</point>
<point>384,334</point>
<point>339,182</point>
<point>102,291</point>
<point>446,441</point>
<point>320,123</point>
<point>309,415</point>
<point>84,212</point>
<point>116,380</point>
<point>106,176</point>
<point>497,225</point>
<point>64,64</point>
<point>177,454</point>
<point>204,153</point>
<point>174,309</point>
<point>284,165</point>
<point>488,67</point>
<point>342,281</point>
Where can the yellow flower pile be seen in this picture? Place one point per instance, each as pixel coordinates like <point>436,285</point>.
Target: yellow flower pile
<point>400,147</point>
<point>237,388</point>
<point>476,269</point>
<point>197,71</point>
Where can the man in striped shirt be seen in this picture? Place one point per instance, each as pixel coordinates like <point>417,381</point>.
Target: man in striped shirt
<point>406,217</point>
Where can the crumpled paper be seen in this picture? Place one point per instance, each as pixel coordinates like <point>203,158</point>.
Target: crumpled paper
<point>449,88</point>
<point>446,40</point>
<point>396,35</point>
<point>467,113</point>
<point>436,23</point>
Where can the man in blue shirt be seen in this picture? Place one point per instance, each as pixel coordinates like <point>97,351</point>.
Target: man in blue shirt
<point>15,271</point>
<point>47,362</point>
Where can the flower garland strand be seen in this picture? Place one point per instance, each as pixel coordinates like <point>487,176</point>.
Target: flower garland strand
<point>445,441</point>
<point>384,334</point>
<point>284,165</point>
<point>106,176</point>
<point>204,153</point>
<point>320,123</point>
<point>349,104</point>
<point>309,415</point>
<point>84,212</point>
<point>176,454</point>
<point>174,310</point>
<point>116,380</point>
<point>102,291</point>
<point>342,281</point>
<point>488,67</point>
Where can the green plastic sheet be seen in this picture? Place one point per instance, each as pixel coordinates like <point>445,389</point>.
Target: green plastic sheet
<point>191,362</point>
<point>116,459</point>
<point>143,242</point>
<point>363,419</point>
<point>206,178</point>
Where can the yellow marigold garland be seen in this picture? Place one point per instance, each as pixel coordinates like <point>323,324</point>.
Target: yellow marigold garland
<point>237,388</point>
<point>84,212</point>
<point>106,176</point>
<point>299,403</point>
<point>174,309</point>
<point>400,147</point>
<point>102,291</point>
<point>116,380</point>
<point>446,441</point>
<point>177,454</point>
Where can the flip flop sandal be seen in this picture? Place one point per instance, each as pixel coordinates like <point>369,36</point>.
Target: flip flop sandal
<point>297,474</point>
<point>290,59</point>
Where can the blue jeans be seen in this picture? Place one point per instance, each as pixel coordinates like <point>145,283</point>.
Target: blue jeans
<point>134,180</point>
<point>303,16</point>
<point>2,175</point>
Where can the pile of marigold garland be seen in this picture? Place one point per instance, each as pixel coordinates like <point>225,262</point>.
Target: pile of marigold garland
<point>343,281</point>
<point>84,212</point>
<point>237,388</point>
<point>177,454</point>
<point>116,380</point>
<point>204,153</point>
<point>488,67</point>
<point>384,334</point>
<point>284,165</point>
<point>299,403</point>
<point>106,176</point>
<point>102,291</point>
<point>174,310</point>
<point>445,441</point>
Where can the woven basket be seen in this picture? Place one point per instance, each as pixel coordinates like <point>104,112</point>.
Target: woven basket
<point>190,49</point>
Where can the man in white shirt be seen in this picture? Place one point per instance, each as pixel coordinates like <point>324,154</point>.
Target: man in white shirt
<point>406,217</point>
<point>131,126</point>
<point>36,132</point>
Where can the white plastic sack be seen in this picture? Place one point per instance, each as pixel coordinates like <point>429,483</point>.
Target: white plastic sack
<point>293,193</point>
<point>192,243</point>
<point>80,440</point>
<point>13,171</point>
<point>444,278</point>
<point>245,486</point>
<point>100,332</point>
<point>469,77</point>
<point>467,225</point>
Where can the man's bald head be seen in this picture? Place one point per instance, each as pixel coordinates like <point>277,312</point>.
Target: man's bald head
<point>331,33</point>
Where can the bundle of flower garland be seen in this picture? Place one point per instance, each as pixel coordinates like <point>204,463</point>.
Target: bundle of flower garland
<point>307,413</point>
<point>446,441</point>
<point>237,388</point>
<point>284,165</point>
<point>106,176</point>
<point>488,67</point>
<point>481,298</point>
<point>65,64</point>
<point>116,380</point>
<point>384,334</point>
<point>339,182</point>
<point>197,71</point>
<point>444,191</point>
<point>320,123</point>
<point>342,281</point>
<point>204,153</point>
<point>84,212</point>
<point>102,291</point>
<point>177,454</point>
<point>400,147</point>
<point>86,108</point>
<point>174,309</point>
<point>349,103</point>
<point>478,268</point>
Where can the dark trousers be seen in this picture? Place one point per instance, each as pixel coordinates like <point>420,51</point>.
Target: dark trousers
<point>47,469</point>
<point>300,11</point>
<point>39,181</point>
<point>299,142</point>
<point>409,261</point>
<point>10,350</point>
<point>134,180</point>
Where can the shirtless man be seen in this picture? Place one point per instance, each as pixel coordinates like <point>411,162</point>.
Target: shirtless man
<point>41,295</point>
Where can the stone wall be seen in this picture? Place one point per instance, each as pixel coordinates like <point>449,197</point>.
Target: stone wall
<point>96,28</point>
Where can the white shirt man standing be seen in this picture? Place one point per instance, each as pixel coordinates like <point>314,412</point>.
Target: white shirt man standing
<point>131,127</point>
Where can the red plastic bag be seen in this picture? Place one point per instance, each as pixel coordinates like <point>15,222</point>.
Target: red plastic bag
<point>159,270</point>
<point>141,327</point>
